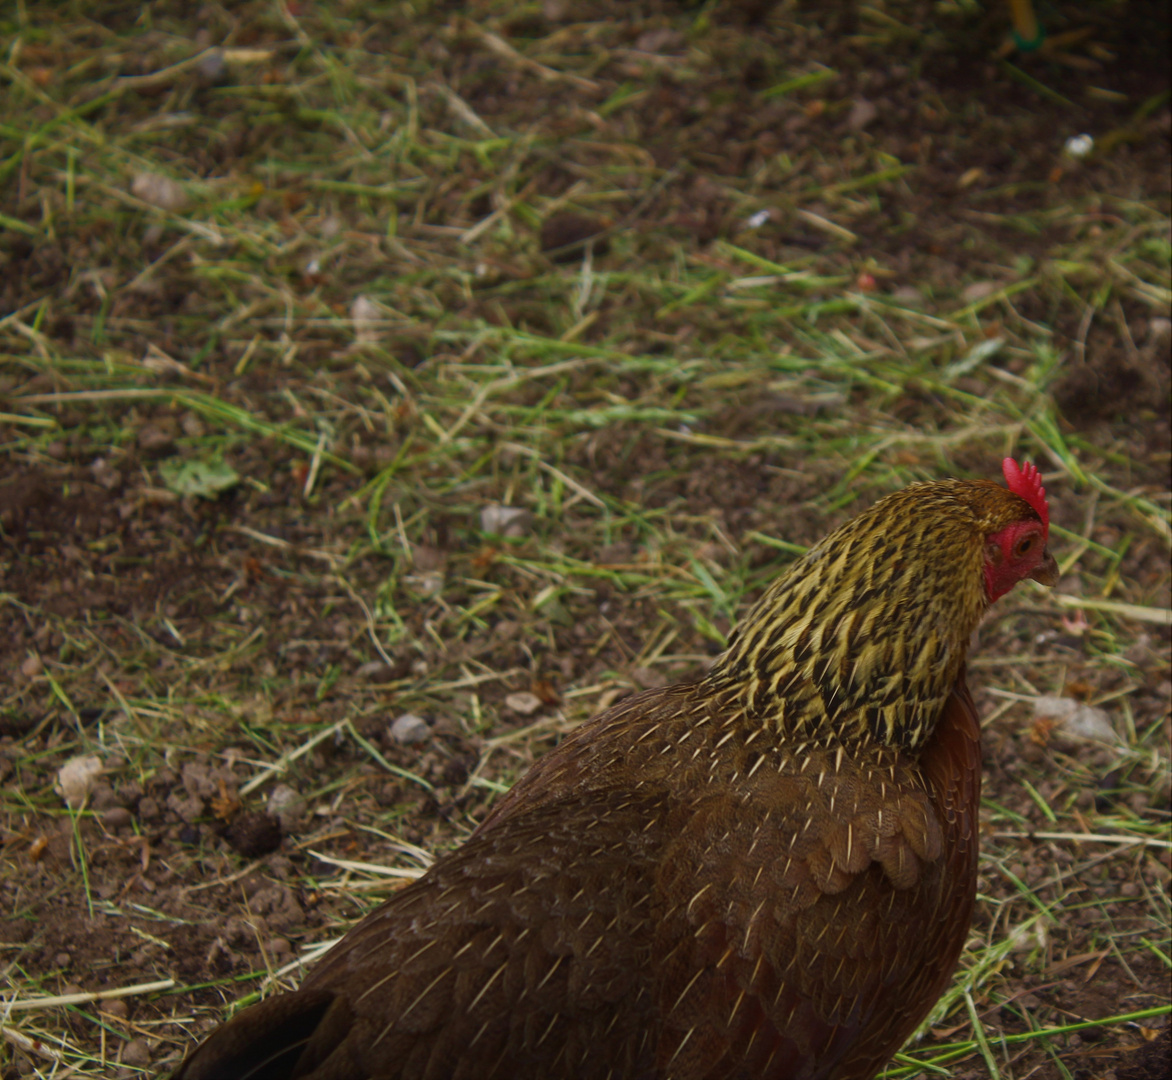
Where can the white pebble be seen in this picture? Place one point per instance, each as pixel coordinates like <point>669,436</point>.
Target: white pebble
<point>505,520</point>
<point>159,191</point>
<point>76,779</point>
<point>1077,720</point>
<point>409,729</point>
<point>287,806</point>
<point>524,703</point>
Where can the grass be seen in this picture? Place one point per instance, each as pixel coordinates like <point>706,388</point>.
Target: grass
<point>328,291</point>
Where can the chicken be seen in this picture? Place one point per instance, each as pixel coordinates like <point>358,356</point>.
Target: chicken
<point>766,873</point>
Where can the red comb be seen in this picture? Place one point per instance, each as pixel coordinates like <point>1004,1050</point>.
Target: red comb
<point>1026,481</point>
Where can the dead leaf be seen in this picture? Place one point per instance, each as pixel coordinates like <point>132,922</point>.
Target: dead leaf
<point>546,691</point>
<point>225,805</point>
<point>1040,732</point>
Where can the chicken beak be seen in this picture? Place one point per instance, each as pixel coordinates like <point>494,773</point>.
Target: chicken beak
<point>1046,571</point>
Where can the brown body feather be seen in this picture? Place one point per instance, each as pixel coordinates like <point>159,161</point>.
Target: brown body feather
<point>765,874</point>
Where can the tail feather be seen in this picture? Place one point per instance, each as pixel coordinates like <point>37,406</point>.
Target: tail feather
<point>287,1037</point>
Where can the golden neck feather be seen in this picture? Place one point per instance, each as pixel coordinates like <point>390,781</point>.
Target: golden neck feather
<point>863,639</point>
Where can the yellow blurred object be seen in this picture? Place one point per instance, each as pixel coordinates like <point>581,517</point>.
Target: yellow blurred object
<point>1027,33</point>
<point>1029,36</point>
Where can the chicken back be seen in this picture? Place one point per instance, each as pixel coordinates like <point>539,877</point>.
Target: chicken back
<point>767,874</point>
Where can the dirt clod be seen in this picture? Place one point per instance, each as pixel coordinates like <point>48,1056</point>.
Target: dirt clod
<point>253,834</point>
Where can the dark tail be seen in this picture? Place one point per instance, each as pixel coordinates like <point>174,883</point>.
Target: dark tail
<point>284,1038</point>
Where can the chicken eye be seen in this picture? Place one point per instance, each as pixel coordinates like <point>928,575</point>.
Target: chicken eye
<point>1024,546</point>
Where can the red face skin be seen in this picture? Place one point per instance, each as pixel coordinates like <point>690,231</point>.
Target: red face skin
<point>1015,553</point>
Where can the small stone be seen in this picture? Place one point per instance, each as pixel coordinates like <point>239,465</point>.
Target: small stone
<point>408,730</point>
<point>862,113</point>
<point>137,1053</point>
<point>63,959</point>
<point>116,1008</point>
<point>978,290</point>
<point>211,69</point>
<point>160,191</point>
<point>505,520</point>
<point>287,806</point>
<point>153,439</point>
<point>117,817</point>
<point>1075,720</point>
<point>366,317</point>
<point>279,947</point>
<point>374,670</point>
<point>907,294</point>
<point>1159,330</point>
<point>105,474</point>
<point>148,809</point>
<point>32,667</point>
<point>76,779</point>
<point>524,703</point>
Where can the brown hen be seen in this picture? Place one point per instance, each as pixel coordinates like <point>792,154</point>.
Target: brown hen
<point>766,874</point>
